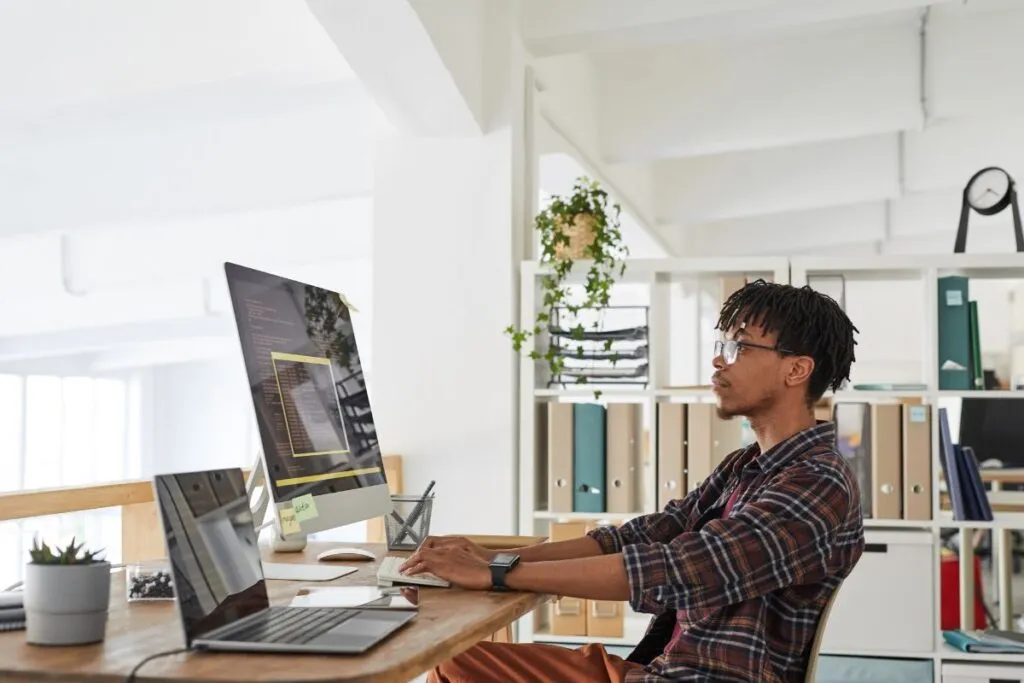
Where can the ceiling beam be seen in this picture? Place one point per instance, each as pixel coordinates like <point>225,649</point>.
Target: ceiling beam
<point>713,98</point>
<point>226,147</point>
<point>392,52</point>
<point>550,28</point>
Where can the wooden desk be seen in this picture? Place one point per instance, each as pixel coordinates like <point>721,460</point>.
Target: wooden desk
<point>450,621</point>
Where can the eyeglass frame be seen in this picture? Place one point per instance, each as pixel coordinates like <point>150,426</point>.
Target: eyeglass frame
<point>720,346</point>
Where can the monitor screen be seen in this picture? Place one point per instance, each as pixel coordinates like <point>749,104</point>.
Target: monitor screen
<point>211,545</point>
<point>307,386</point>
<point>994,428</point>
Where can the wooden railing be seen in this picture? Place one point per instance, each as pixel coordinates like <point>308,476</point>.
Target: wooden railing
<point>141,537</point>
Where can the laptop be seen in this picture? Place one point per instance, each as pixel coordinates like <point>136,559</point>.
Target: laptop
<point>219,584</point>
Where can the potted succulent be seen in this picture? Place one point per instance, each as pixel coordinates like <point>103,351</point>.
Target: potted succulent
<point>67,595</point>
<point>582,227</point>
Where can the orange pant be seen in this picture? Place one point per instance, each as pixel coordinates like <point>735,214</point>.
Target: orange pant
<point>488,662</point>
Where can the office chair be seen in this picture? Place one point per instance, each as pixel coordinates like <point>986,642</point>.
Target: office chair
<point>812,663</point>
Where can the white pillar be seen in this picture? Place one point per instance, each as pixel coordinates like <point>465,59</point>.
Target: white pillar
<point>450,230</point>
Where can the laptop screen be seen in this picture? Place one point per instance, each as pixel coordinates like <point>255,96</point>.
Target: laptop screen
<point>212,548</point>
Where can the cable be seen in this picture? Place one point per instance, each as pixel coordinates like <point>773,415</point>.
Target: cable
<point>166,653</point>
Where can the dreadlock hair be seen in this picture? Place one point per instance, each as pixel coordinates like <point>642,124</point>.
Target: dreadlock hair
<point>808,323</point>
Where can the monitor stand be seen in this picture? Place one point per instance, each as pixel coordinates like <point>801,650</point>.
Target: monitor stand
<point>285,571</point>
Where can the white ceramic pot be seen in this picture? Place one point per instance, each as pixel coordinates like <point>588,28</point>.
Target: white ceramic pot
<point>66,604</point>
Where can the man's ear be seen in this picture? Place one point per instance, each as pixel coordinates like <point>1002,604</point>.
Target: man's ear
<point>800,369</point>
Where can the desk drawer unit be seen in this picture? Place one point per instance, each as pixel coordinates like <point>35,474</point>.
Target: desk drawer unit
<point>956,672</point>
<point>887,604</point>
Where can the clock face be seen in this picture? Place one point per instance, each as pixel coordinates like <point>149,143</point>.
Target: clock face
<point>988,189</point>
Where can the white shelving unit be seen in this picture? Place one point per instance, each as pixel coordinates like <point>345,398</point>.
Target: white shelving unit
<point>661,277</point>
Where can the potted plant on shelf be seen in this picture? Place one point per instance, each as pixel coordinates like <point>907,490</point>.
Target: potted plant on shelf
<point>67,595</point>
<point>582,227</point>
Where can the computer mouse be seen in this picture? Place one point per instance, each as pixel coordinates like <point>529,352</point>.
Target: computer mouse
<point>346,555</point>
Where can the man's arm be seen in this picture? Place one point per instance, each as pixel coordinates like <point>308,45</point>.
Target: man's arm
<point>602,577</point>
<point>785,537</point>
<point>572,548</point>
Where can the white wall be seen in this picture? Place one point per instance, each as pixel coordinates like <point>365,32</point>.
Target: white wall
<point>201,416</point>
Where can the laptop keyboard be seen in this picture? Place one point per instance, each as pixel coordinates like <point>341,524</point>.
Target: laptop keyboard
<point>289,625</point>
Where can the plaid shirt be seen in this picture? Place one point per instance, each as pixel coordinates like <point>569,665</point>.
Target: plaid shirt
<point>746,591</point>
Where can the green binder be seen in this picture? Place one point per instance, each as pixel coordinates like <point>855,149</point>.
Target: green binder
<point>588,457</point>
<point>954,334</point>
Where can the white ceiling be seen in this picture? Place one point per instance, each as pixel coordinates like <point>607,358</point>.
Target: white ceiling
<point>784,126</point>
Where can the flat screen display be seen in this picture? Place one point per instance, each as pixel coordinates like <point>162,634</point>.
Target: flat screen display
<point>307,385</point>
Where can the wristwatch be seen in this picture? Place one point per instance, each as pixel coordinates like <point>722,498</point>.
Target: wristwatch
<point>501,565</point>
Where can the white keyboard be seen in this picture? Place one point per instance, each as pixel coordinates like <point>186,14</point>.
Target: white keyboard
<point>388,574</point>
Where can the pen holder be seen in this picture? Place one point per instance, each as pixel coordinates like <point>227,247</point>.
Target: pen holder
<point>409,523</point>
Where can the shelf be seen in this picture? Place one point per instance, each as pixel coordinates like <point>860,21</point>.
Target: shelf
<point>587,516</point>
<point>866,395</point>
<point>586,391</point>
<point>981,393</point>
<point>949,653</point>
<point>684,393</point>
<point>870,523</point>
<point>1003,520</point>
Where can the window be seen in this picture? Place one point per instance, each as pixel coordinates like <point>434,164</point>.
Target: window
<point>65,431</point>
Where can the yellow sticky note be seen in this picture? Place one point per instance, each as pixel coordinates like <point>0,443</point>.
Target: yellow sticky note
<point>304,507</point>
<point>289,525</point>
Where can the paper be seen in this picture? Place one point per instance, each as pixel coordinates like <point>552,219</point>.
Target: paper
<point>304,507</point>
<point>289,525</point>
<point>348,304</point>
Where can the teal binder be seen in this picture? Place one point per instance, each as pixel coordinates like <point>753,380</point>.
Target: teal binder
<point>954,334</point>
<point>588,457</point>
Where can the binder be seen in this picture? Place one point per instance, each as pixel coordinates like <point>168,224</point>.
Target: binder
<point>540,449</point>
<point>560,455</point>
<point>625,421</point>
<point>954,333</point>
<point>670,442</point>
<point>605,618</point>
<point>568,615</point>
<point>917,462</point>
<point>709,439</point>
<point>588,464</point>
<point>886,460</point>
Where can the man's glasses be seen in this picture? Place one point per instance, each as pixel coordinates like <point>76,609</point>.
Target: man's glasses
<point>730,349</point>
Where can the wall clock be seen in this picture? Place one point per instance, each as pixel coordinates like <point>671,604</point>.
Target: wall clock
<point>988,192</point>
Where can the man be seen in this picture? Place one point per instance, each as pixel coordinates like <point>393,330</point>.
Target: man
<point>740,569</point>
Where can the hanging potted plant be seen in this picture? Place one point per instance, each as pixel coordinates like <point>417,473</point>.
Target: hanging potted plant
<point>67,595</point>
<point>581,227</point>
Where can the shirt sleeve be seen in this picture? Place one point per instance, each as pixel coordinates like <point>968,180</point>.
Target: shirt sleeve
<point>784,537</point>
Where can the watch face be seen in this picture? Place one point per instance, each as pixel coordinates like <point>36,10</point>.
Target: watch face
<point>988,188</point>
<point>504,559</point>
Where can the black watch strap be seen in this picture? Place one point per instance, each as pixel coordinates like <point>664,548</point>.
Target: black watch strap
<point>500,566</point>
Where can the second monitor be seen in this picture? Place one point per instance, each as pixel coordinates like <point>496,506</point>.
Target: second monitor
<point>320,450</point>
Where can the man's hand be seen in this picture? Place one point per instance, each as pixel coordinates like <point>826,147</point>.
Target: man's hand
<point>453,562</point>
<point>458,542</point>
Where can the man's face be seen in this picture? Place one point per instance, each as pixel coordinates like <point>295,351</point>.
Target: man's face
<point>753,380</point>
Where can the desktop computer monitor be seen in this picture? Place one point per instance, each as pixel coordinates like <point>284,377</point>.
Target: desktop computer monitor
<point>310,398</point>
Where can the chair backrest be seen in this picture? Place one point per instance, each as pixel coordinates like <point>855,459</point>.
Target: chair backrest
<point>812,663</point>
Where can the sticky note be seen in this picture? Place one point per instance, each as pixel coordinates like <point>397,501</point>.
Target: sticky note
<point>918,413</point>
<point>304,507</point>
<point>289,525</point>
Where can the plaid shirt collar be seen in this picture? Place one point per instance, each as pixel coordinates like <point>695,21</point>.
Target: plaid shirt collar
<point>776,457</point>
